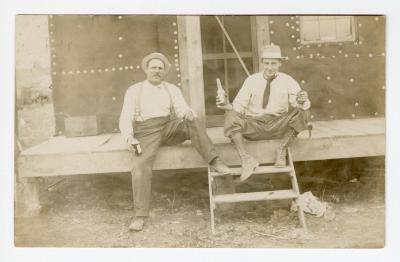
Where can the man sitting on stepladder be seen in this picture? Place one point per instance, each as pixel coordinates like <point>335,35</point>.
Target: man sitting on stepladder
<point>269,105</point>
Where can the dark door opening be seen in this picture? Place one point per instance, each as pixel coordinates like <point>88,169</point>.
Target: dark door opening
<point>220,61</point>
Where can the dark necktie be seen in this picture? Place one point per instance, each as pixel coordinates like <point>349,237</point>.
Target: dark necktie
<point>267,91</point>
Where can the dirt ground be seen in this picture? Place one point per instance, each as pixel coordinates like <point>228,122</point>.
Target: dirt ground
<point>95,210</point>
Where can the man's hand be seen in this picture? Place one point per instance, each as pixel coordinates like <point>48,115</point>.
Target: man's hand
<point>302,97</point>
<point>189,115</point>
<point>134,145</point>
<point>221,105</point>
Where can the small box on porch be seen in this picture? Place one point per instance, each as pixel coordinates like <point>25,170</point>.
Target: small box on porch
<point>81,126</point>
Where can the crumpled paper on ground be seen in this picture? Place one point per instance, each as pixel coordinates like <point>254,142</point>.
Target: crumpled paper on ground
<point>310,204</point>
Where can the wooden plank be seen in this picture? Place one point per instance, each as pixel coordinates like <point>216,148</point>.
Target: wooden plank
<point>191,63</point>
<point>321,130</point>
<point>108,153</point>
<point>64,145</point>
<point>185,156</point>
<point>295,188</point>
<point>345,128</point>
<point>113,142</point>
<point>254,44</point>
<point>226,55</point>
<point>360,125</point>
<point>259,170</point>
<point>255,196</point>
<point>326,128</point>
<point>183,59</point>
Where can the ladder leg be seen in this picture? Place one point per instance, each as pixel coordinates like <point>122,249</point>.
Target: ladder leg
<point>295,187</point>
<point>212,220</point>
<point>302,219</point>
<point>212,205</point>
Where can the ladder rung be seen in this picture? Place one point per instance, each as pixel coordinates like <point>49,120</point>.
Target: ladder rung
<point>255,196</point>
<point>258,170</point>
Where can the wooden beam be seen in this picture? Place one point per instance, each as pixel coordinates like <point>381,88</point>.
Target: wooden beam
<point>236,171</point>
<point>227,55</point>
<point>255,196</point>
<point>108,153</point>
<point>191,63</point>
<point>185,156</point>
<point>254,44</point>
<point>27,202</point>
<point>263,38</point>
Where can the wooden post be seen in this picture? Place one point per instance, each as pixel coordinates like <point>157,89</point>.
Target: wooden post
<point>27,202</point>
<point>254,44</point>
<point>191,63</point>
<point>263,38</point>
<point>26,190</point>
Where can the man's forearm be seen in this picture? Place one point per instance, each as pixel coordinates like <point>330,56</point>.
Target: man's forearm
<point>226,107</point>
<point>127,137</point>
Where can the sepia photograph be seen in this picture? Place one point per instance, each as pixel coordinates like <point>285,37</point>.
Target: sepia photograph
<point>200,131</point>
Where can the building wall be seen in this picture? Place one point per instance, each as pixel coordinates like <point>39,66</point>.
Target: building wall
<point>346,79</point>
<point>95,58</point>
<point>32,57</point>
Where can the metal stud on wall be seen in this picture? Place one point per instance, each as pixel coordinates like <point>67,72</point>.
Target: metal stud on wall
<point>336,71</point>
<point>98,73</point>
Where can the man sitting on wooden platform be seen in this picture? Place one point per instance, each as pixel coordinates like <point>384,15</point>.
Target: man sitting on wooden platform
<point>269,105</point>
<point>155,113</point>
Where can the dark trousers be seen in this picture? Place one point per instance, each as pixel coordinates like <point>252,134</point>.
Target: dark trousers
<point>152,134</point>
<point>266,126</point>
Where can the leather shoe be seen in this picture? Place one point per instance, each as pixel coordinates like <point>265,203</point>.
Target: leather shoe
<point>220,167</point>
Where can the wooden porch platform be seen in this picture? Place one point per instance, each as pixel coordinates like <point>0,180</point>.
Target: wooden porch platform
<point>108,153</point>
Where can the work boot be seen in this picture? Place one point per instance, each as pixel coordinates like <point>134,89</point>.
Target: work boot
<point>249,163</point>
<point>218,166</point>
<point>281,152</point>
<point>137,224</point>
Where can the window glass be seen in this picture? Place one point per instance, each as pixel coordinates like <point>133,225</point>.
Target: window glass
<point>242,36</point>
<point>211,38</point>
<point>327,29</point>
<point>236,75</point>
<point>317,29</point>
<point>342,28</point>
<point>220,61</point>
<point>212,69</point>
<point>310,30</point>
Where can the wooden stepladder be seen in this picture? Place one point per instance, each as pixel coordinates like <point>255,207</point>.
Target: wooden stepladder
<point>292,193</point>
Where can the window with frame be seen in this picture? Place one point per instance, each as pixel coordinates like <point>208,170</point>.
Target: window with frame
<point>321,29</point>
<point>220,61</point>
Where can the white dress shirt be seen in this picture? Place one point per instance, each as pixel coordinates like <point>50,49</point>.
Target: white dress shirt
<point>283,92</point>
<point>151,101</point>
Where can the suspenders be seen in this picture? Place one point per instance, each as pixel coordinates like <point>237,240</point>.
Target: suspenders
<point>138,115</point>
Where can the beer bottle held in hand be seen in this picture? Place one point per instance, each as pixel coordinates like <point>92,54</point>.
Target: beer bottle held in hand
<point>223,97</point>
<point>138,149</point>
